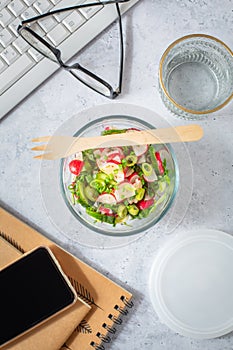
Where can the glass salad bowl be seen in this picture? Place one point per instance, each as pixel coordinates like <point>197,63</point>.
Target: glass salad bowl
<point>119,191</point>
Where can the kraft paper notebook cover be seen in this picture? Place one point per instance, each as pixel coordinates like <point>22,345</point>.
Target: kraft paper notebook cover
<point>8,252</point>
<point>52,334</point>
<point>107,299</point>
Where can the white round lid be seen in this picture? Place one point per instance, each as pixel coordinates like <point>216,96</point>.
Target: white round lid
<point>191,284</point>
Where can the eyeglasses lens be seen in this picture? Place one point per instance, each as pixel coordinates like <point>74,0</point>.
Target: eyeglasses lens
<point>91,82</point>
<point>37,44</point>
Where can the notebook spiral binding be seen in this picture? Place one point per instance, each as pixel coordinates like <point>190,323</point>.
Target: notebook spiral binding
<point>116,320</point>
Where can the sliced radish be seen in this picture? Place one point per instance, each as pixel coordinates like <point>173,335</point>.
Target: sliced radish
<point>113,169</point>
<point>128,171</point>
<point>132,201</point>
<point>111,154</point>
<point>106,211</point>
<point>119,177</point>
<point>116,160</point>
<point>115,153</point>
<point>152,177</point>
<point>145,204</point>
<point>75,166</point>
<point>159,161</point>
<point>108,167</point>
<point>139,150</point>
<point>137,184</point>
<point>125,190</point>
<point>141,159</point>
<point>78,155</point>
<point>162,186</point>
<point>100,162</point>
<point>109,151</point>
<point>133,129</point>
<point>132,178</point>
<point>108,155</point>
<point>120,151</point>
<point>106,198</point>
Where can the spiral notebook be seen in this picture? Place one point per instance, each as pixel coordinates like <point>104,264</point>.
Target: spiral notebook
<point>108,301</point>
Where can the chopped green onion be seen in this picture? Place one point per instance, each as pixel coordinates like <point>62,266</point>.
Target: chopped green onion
<point>99,185</point>
<point>133,210</point>
<point>140,193</point>
<point>122,211</point>
<point>119,220</point>
<point>102,176</point>
<point>147,169</point>
<point>113,131</point>
<point>162,186</point>
<point>131,160</point>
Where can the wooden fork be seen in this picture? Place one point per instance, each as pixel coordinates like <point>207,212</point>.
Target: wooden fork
<point>63,146</point>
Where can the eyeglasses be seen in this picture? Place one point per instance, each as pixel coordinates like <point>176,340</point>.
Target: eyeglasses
<point>87,77</point>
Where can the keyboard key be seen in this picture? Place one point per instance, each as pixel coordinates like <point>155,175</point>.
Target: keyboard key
<point>3,3</point>
<point>30,12</point>
<point>61,15</point>
<point>88,12</point>
<point>37,29</point>
<point>63,4</point>
<point>6,37</point>
<point>42,6</point>
<point>58,34</point>
<point>5,17</point>
<point>35,54</point>
<point>73,21</point>
<point>14,25</point>
<point>47,24</point>
<point>55,2</point>
<point>68,3</point>
<point>14,72</point>
<point>9,55</point>
<point>21,45</point>
<point>17,7</point>
<point>29,2</point>
<point>3,66</point>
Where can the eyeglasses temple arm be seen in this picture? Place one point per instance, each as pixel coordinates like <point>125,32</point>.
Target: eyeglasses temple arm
<point>121,50</point>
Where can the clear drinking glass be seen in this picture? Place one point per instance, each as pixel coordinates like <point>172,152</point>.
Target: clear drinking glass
<point>196,76</point>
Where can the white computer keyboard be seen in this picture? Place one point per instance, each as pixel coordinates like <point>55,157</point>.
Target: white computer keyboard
<point>22,68</point>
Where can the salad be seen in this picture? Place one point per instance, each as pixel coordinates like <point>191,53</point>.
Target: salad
<point>119,184</point>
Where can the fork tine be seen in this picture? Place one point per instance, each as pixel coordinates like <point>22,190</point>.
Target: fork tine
<point>48,156</point>
<point>40,156</point>
<point>42,139</point>
<point>39,148</point>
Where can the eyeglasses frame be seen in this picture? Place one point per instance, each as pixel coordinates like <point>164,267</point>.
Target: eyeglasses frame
<point>57,53</point>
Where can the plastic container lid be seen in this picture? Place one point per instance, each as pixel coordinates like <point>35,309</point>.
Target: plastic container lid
<point>191,284</point>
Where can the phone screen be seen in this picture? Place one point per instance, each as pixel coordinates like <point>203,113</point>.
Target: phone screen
<point>31,289</point>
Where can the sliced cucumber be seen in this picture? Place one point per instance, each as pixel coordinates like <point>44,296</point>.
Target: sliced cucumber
<point>91,193</point>
<point>83,200</point>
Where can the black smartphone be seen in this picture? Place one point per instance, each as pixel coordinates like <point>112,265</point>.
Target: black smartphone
<point>32,289</point>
